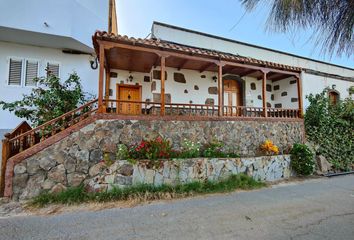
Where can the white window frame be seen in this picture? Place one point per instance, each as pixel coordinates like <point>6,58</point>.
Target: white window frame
<point>25,71</point>
<point>46,61</point>
<point>8,72</point>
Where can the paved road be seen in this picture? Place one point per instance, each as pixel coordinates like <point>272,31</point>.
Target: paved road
<point>316,209</point>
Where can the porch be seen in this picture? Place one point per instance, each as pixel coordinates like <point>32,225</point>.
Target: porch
<point>155,78</point>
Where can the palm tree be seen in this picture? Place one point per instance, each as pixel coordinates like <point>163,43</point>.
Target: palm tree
<point>332,21</point>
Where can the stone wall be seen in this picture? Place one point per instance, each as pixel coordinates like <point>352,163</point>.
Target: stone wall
<point>35,175</point>
<point>70,161</point>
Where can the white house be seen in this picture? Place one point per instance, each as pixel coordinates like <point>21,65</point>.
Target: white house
<point>316,75</point>
<point>35,34</point>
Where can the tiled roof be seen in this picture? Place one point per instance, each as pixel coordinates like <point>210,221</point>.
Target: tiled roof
<point>165,45</point>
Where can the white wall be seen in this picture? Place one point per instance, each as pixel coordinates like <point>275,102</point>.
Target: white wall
<point>311,83</point>
<point>315,84</point>
<point>178,95</point>
<point>68,64</point>
<point>77,19</point>
<point>202,41</point>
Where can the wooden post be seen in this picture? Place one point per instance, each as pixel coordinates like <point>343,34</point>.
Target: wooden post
<point>100,80</point>
<point>299,95</point>
<point>5,156</point>
<point>220,95</point>
<point>163,69</point>
<point>264,93</point>
<point>107,85</point>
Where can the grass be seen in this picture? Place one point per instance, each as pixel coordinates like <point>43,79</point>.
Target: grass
<point>146,192</point>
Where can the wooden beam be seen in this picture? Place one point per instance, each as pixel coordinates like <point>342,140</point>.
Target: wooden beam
<point>267,69</point>
<point>299,95</point>
<point>4,157</point>
<point>269,76</point>
<point>108,45</point>
<point>163,69</point>
<point>183,64</point>
<point>229,70</point>
<point>107,84</point>
<point>100,80</point>
<point>220,95</point>
<point>205,67</point>
<point>157,60</point>
<point>264,93</point>
<point>276,79</point>
<point>248,72</point>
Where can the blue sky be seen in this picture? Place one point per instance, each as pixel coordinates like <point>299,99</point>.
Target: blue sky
<point>224,18</point>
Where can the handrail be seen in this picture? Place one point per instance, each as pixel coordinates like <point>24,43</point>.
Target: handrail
<point>19,141</point>
<point>55,120</point>
<point>200,110</point>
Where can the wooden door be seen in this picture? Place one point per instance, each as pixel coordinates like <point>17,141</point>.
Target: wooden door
<point>130,96</point>
<point>232,97</point>
<point>333,97</point>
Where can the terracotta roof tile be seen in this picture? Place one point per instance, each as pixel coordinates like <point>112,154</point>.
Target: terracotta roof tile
<point>187,49</point>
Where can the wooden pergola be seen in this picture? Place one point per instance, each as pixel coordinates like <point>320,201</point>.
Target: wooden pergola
<point>141,55</point>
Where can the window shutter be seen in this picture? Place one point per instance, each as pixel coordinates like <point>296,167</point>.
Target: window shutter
<point>31,72</point>
<point>15,72</point>
<point>53,69</point>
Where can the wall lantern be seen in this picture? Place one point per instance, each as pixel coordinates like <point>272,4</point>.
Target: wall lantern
<point>334,86</point>
<point>215,78</point>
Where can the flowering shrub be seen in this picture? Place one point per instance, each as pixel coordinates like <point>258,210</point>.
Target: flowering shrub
<point>158,148</point>
<point>215,149</point>
<point>269,148</point>
<point>190,149</point>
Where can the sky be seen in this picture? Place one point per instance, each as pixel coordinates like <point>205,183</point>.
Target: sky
<point>225,18</point>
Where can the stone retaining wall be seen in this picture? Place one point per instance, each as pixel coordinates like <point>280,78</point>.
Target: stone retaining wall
<point>35,175</point>
<point>68,161</point>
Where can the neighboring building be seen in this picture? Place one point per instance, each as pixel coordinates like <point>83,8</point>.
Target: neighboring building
<point>36,34</point>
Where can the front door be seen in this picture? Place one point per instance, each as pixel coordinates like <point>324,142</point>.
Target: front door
<point>129,98</point>
<point>232,97</point>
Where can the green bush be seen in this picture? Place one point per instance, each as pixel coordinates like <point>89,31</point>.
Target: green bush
<point>49,100</point>
<point>331,127</point>
<point>122,152</point>
<point>302,159</point>
<point>216,149</point>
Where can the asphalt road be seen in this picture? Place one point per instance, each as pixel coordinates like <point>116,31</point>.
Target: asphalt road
<point>315,209</point>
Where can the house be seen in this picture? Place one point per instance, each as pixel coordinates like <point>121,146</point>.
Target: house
<point>180,84</point>
<point>252,76</point>
<point>34,36</point>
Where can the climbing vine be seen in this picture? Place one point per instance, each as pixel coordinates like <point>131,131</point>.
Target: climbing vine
<point>331,127</point>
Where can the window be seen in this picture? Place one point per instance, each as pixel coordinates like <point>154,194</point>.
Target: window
<point>333,97</point>
<point>22,72</point>
<point>31,72</point>
<point>53,68</point>
<point>15,72</point>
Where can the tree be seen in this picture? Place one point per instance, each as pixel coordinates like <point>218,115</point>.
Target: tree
<point>332,20</point>
<point>49,100</point>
